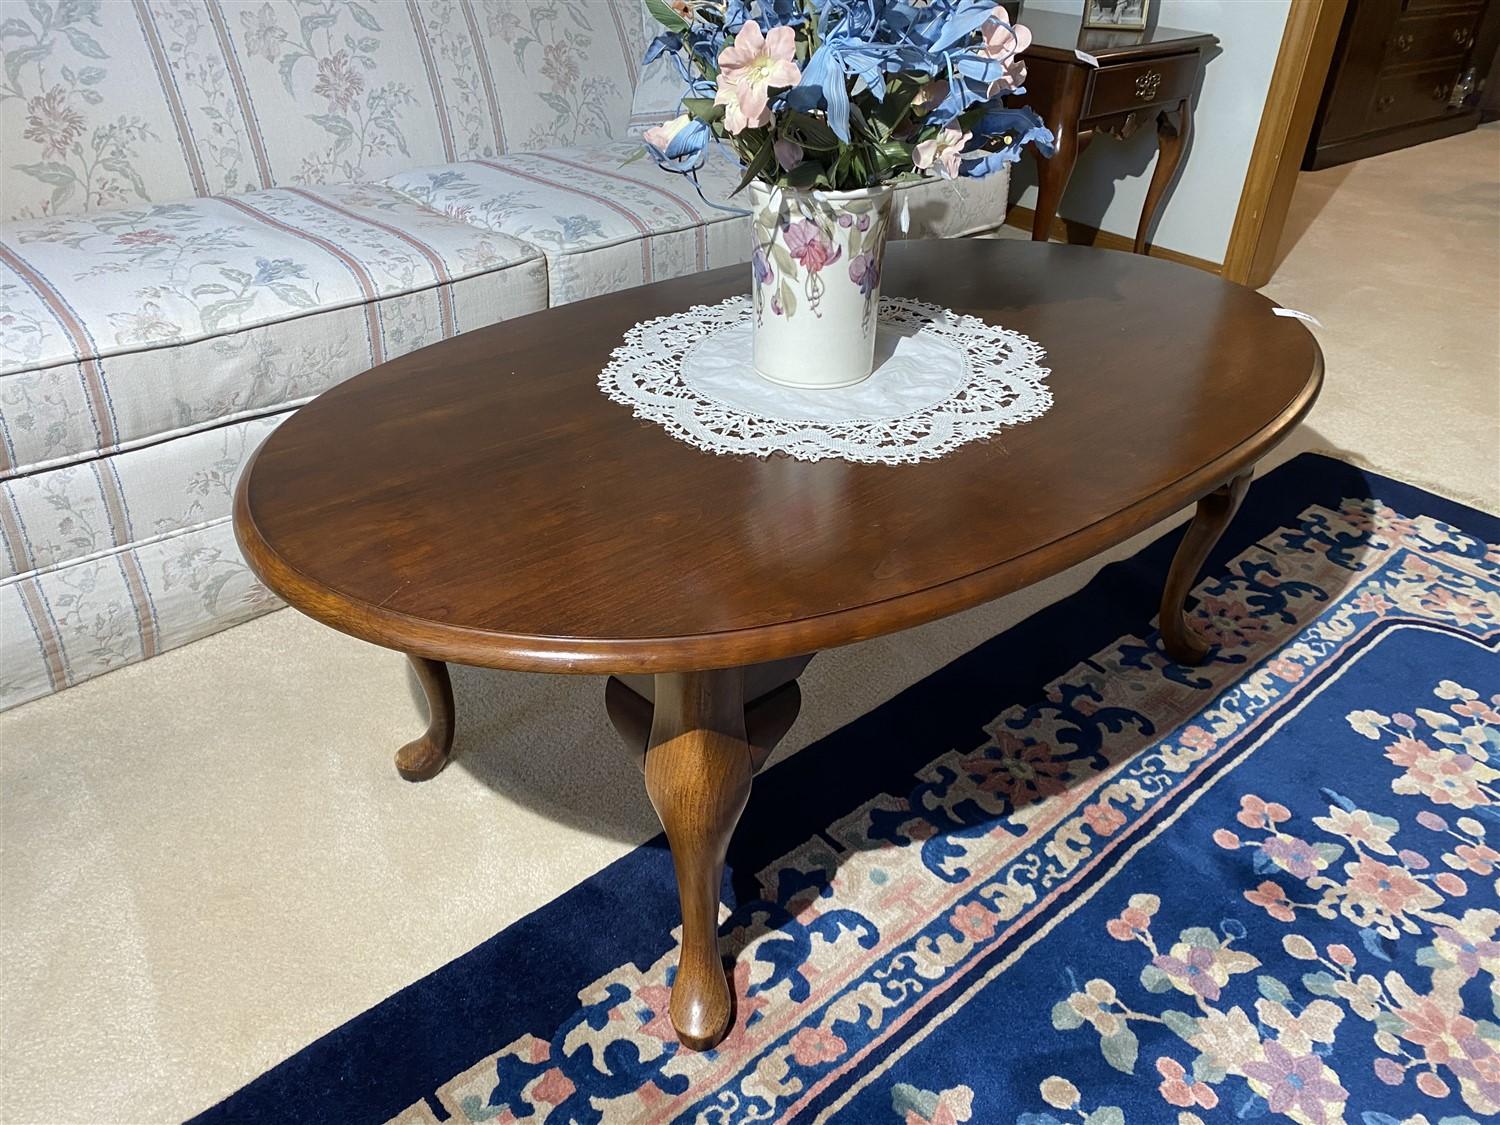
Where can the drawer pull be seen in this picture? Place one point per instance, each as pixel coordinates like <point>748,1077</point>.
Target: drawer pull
<point>1441,91</point>
<point>1146,85</point>
<point>1461,36</point>
<point>1404,42</point>
<point>1384,102</point>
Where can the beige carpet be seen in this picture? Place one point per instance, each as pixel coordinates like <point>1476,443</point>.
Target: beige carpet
<point>207,860</point>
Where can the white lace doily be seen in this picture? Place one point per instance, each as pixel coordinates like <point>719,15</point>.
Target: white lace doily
<point>940,380</point>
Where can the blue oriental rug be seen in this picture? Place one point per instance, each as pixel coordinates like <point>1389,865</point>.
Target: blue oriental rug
<point>1063,880</point>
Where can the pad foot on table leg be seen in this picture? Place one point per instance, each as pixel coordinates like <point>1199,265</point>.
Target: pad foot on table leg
<point>425,757</point>
<point>1179,638</point>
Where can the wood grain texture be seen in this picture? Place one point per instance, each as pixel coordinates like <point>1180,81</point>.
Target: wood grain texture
<point>1214,512</point>
<point>425,757</point>
<point>1075,233</point>
<point>698,771</point>
<point>1312,30</point>
<point>481,501</point>
<point>1171,142</point>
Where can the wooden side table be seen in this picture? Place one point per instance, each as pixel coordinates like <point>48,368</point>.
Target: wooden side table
<point>1141,76</point>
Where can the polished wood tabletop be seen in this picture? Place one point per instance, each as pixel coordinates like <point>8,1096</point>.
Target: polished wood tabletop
<point>482,501</point>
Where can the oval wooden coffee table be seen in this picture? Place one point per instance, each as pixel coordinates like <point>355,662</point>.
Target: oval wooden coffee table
<point>480,501</point>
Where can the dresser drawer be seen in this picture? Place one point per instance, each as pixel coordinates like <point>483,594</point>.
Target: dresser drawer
<point>1419,95</point>
<point>1120,89</point>
<point>1427,37</point>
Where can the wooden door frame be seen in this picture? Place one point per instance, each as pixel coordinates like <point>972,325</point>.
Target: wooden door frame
<point>1312,30</point>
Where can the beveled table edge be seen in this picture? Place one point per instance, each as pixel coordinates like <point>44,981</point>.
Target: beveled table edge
<point>704,651</point>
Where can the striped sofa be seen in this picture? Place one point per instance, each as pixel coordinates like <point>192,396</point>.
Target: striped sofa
<point>213,210</point>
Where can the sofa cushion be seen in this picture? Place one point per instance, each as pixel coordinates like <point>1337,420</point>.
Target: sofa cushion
<point>128,326</point>
<point>605,224</point>
<point>659,89</point>
<point>115,104</point>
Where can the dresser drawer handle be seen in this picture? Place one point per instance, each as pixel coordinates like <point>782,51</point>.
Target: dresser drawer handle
<point>1440,92</point>
<point>1404,42</point>
<point>1146,85</point>
<point>1461,36</point>
<point>1384,102</point>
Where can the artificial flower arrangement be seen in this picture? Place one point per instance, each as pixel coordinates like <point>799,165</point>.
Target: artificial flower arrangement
<point>826,104</point>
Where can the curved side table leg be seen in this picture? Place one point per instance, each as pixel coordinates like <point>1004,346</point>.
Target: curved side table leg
<point>425,757</point>
<point>698,769</point>
<point>1213,515</point>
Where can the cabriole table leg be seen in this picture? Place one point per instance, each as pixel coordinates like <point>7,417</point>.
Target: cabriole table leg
<point>1215,510</point>
<point>425,757</point>
<point>698,768</point>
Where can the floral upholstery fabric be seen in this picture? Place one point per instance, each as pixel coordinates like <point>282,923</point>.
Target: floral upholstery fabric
<point>658,90</point>
<point>171,338</point>
<point>114,104</point>
<point>128,325</point>
<point>606,225</point>
<point>81,606</point>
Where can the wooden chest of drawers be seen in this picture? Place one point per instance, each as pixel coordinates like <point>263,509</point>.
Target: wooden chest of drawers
<point>1394,74</point>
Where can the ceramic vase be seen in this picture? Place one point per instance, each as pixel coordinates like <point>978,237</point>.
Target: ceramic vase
<point>816,283</point>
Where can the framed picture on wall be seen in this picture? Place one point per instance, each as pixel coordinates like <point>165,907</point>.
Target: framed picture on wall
<point>1116,15</point>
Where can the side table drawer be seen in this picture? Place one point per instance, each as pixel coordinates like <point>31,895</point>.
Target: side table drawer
<point>1428,37</point>
<point>1414,96</point>
<point>1119,89</point>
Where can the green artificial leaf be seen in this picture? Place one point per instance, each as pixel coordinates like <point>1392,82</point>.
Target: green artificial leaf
<point>1120,1050</point>
<point>633,157</point>
<point>758,164</point>
<point>1064,1018</point>
<point>809,132</point>
<point>705,110</point>
<point>665,16</point>
<point>805,175</point>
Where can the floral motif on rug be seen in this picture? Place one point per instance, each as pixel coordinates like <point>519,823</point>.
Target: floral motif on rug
<point>1265,887</point>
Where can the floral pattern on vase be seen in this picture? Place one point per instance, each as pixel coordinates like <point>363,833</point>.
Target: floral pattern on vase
<point>815,270</point>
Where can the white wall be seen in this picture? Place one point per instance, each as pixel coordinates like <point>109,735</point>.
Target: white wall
<point>1109,181</point>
